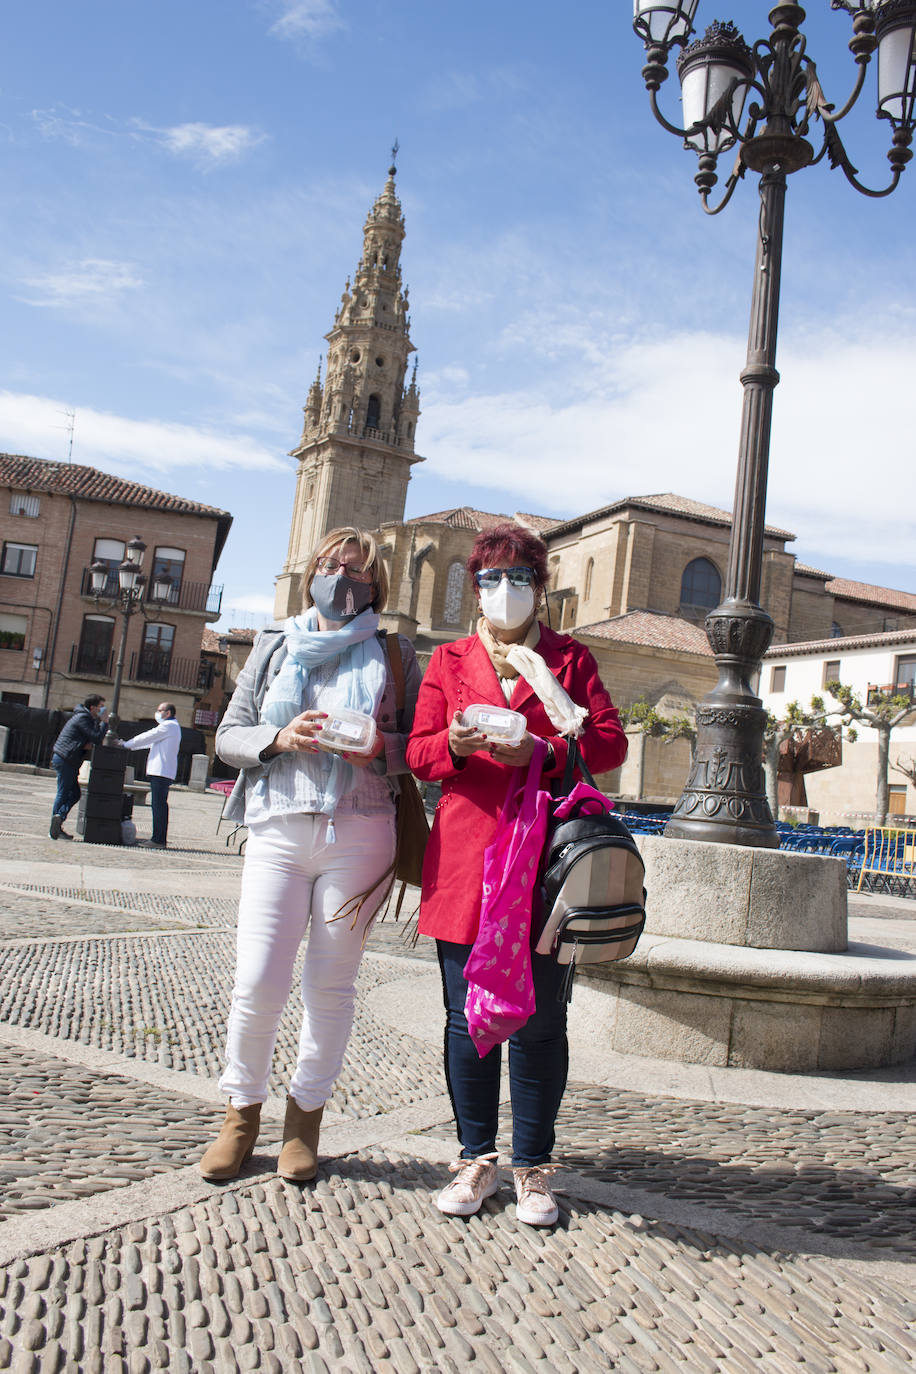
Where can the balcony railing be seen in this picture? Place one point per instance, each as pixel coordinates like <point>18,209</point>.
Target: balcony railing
<point>154,666</point>
<point>203,597</point>
<point>87,661</point>
<point>900,689</point>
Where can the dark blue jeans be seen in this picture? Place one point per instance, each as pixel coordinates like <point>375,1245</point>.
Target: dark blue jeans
<point>68,789</point>
<point>538,1065</point>
<point>159,805</point>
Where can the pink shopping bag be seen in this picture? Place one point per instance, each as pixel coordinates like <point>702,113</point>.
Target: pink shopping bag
<point>500,995</point>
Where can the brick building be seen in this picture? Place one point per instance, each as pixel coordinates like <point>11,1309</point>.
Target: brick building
<point>57,641</point>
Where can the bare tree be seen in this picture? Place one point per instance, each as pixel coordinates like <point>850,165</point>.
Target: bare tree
<point>884,712</point>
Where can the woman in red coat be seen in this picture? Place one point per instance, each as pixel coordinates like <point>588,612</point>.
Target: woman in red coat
<point>554,683</point>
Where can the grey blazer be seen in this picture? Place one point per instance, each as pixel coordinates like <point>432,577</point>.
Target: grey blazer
<point>240,737</point>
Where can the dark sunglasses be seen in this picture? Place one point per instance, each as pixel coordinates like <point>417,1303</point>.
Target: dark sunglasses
<point>491,577</point>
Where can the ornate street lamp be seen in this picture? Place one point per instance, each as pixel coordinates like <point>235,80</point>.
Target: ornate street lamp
<point>724,797</point>
<point>129,599</point>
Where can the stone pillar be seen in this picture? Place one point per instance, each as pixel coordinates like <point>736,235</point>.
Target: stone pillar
<point>200,767</point>
<point>4,739</point>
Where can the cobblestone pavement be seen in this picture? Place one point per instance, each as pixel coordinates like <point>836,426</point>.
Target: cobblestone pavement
<point>694,1235</point>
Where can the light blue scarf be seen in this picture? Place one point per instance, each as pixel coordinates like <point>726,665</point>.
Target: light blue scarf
<point>359,685</point>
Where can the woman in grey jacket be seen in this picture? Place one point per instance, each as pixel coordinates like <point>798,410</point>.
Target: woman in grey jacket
<point>321,838</point>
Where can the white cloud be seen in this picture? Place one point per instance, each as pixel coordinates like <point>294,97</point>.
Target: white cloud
<point>67,125</point>
<point>306,18</point>
<point>663,415</point>
<point>114,443</point>
<point>210,144</point>
<point>95,280</point>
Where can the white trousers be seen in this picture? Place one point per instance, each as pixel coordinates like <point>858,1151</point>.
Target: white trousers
<point>293,880</point>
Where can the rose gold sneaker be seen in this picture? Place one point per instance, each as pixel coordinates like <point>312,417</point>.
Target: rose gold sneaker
<point>536,1204</point>
<point>475,1179</point>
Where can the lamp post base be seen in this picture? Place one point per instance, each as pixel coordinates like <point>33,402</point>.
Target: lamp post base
<point>724,798</point>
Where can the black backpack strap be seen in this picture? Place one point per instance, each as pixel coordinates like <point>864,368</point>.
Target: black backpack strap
<point>575,760</point>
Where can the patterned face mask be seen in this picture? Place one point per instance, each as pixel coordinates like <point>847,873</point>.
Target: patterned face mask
<point>338,597</point>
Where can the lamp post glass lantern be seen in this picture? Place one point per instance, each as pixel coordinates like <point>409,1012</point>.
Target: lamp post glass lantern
<point>775,79</point>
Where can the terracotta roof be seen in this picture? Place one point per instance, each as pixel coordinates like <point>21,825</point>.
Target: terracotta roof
<point>461,518</point>
<point>834,646</point>
<point>670,504</point>
<point>240,635</point>
<point>875,596</point>
<point>652,629</point>
<point>541,523</point>
<point>804,570</point>
<point>210,641</point>
<point>89,484</point>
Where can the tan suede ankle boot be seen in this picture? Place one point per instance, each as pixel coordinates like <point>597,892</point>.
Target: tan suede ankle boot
<point>298,1160</point>
<point>234,1144</point>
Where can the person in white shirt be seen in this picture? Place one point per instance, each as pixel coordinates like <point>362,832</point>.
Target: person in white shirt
<point>163,743</point>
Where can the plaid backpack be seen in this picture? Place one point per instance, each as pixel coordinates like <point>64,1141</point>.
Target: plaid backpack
<point>591,880</point>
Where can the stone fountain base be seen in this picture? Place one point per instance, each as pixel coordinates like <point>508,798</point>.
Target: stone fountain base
<point>745,964</point>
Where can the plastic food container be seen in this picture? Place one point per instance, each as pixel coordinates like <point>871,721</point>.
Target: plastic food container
<point>496,722</point>
<point>350,732</point>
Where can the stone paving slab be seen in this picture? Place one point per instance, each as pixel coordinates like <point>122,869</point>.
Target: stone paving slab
<point>694,1235</point>
<point>71,909</point>
<point>29,917</point>
<point>66,1132</point>
<point>846,1175</point>
<point>166,998</point>
<point>358,1273</point>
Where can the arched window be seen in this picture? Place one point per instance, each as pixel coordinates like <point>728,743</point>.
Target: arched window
<point>701,584</point>
<point>454,590</point>
<point>589,569</point>
<point>373,412</point>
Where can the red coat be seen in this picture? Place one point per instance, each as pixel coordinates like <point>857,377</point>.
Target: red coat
<point>459,675</point>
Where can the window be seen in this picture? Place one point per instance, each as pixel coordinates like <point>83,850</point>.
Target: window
<point>836,631</point>
<point>156,653</point>
<point>589,569</point>
<point>905,676</point>
<point>454,591</point>
<point>701,584</point>
<point>373,413</point>
<point>111,553</point>
<point>94,652</point>
<point>21,503</point>
<point>896,800</point>
<point>831,671</point>
<point>14,698</point>
<point>13,630</point>
<point>778,679</point>
<point>168,566</point>
<point>19,560</point>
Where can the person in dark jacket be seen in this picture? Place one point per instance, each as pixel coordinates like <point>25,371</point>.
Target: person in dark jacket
<point>85,727</point>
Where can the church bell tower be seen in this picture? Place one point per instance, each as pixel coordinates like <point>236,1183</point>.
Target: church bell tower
<point>357,445</point>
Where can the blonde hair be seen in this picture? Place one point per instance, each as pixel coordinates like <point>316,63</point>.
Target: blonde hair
<point>349,534</point>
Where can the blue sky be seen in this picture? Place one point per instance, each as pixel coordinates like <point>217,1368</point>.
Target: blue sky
<point>184,191</point>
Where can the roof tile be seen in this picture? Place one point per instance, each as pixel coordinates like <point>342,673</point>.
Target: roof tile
<point>73,479</point>
<point>651,629</point>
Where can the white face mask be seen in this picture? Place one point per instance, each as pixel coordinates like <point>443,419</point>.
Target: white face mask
<point>507,607</point>
<point>160,716</point>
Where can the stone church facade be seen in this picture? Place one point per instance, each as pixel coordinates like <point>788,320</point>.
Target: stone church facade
<point>634,579</point>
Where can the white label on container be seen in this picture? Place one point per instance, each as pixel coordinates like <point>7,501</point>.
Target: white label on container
<point>492,718</point>
<point>345,728</point>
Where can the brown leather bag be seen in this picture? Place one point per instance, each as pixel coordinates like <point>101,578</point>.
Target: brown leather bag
<point>412,825</point>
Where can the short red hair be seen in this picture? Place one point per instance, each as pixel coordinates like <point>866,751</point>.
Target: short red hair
<point>511,544</point>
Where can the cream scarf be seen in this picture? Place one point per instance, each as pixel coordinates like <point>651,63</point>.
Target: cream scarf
<point>522,660</point>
